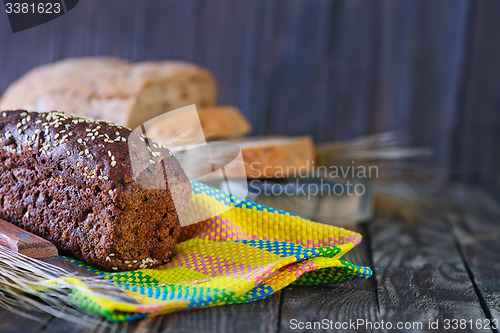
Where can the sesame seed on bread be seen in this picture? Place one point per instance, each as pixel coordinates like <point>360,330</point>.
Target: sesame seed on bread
<point>72,181</point>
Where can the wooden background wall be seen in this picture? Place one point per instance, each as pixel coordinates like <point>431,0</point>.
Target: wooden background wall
<point>331,68</point>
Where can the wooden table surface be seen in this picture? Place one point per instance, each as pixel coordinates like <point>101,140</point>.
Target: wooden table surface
<point>439,261</point>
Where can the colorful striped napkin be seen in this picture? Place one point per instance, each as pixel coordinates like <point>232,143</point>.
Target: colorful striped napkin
<point>242,255</point>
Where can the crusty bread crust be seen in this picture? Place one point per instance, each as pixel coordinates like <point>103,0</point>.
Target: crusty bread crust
<point>277,157</point>
<point>221,122</point>
<point>112,89</point>
<point>70,181</point>
<point>271,157</point>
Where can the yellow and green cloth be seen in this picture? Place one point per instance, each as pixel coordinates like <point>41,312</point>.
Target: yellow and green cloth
<point>242,255</point>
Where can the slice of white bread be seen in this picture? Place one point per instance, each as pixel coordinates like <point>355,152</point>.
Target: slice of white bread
<point>277,157</point>
<point>268,157</point>
<point>223,122</point>
<point>112,89</point>
<point>220,122</point>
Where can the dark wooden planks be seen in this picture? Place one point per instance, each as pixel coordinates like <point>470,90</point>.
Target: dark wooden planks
<point>419,268</point>
<point>394,56</point>
<point>476,219</point>
<point>226,45</point>
<point>260,316</point>
<point>13,323</point>
<point>57,325</point>
<point>351,71</point>
<point>420,274</point>
<point>477,143</point>
<point>144,326</point>
<point>259,84</point>
<point>299,55</point>
<point>439,55</point>
<point>169,30</point>
<point>333,69</point>
<point>339,303</point>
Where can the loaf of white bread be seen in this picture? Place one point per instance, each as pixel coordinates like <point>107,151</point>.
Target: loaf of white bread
<point>130,94</point>
<point>217,123</point>
<point>112,89</point>
<point>271,157</point>
<point>277,157</point>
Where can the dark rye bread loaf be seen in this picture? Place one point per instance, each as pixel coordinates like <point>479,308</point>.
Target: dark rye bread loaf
<point>71,181</point>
